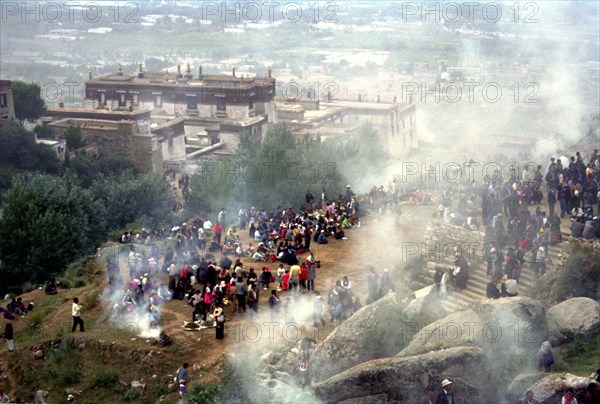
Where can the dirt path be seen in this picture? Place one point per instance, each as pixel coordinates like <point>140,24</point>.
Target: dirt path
<point>378,242</point>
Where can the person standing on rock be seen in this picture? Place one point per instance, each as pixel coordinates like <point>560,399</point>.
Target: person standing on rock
<point>318,310</point>
<point>545,357</point>
<point>462,277</point>
<point>437,278</point>
<point>386,285</point>
<point>221,217</point>
<point>429,395</point>
<point>76,312</point>
<point>443,290</point>
<point>446,395</point>
<point>372,285</point>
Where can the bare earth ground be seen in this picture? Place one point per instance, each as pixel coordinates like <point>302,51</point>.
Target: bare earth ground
<point>378,242</point>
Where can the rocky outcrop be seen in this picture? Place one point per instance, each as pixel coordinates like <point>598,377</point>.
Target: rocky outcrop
<point>425,303</point>
<point>510,331</point>
<point>550,388</point>
<point>576,317</point>
<point>403,379</point>
<point>520,384</point>
<point>375,331</point>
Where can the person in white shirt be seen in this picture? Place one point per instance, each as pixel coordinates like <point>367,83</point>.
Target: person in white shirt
<point>76,312</point>
<point>207,224</point>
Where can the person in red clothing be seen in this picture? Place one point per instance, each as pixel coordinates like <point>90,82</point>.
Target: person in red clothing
<point>303,275</point>
<point>285,280</point>
<point>218,229</point>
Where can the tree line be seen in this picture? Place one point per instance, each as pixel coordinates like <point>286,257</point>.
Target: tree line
<point>53,212</point>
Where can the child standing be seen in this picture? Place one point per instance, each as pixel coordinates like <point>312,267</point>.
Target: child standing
<point>9,337</point>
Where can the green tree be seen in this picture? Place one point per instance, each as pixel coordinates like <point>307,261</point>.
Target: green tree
<point>19,150</point>
<point>28,101</point>
<point>129,197</point>
<point>43,131</point>
<point>276,172</point>
<point>74,137</point>
<point>47,222</point>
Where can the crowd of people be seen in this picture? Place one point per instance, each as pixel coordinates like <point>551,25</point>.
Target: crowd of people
<point>516,231</point>
<point>279,261</point>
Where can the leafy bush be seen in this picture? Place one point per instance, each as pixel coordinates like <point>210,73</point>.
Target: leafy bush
<point>102,378</point>
<point>578,278</point>
<point>159,390</point>
<point>35,319</point>
<point>63,366</point>
<point>90,301</point>
<point>229,390</point>
<point>131,395</point>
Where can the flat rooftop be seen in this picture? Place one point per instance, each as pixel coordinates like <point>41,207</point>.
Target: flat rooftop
<point>173,79</point>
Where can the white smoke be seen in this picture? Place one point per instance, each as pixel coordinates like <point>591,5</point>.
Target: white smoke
<point>140,318</point>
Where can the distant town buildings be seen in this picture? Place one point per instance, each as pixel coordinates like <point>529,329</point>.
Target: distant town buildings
<point>7,105</point>
<point>129,134</point>
<point>394,122</point>
<point>173,119</point>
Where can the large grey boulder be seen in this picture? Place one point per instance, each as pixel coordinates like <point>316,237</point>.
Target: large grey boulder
<point>550,388</point>
<point>426,302</point>
<point>576,317</point>
<point>375,331</point>
<point>521,383</point>
<point>510,331</point>
<point>403,379</point>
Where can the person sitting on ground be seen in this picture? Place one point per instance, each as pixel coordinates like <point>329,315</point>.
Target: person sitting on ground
<point>322,238</point>
<point>251,276</point>
<point>261,253</point>
<point>492,291</point>
<point>510,287</point>
<point>51,288</point>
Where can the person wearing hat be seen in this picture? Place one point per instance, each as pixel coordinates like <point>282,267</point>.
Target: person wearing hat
<point>220,320</point>
<point>446,395</point>
<point>71,399</point>
<point>429,395</point>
